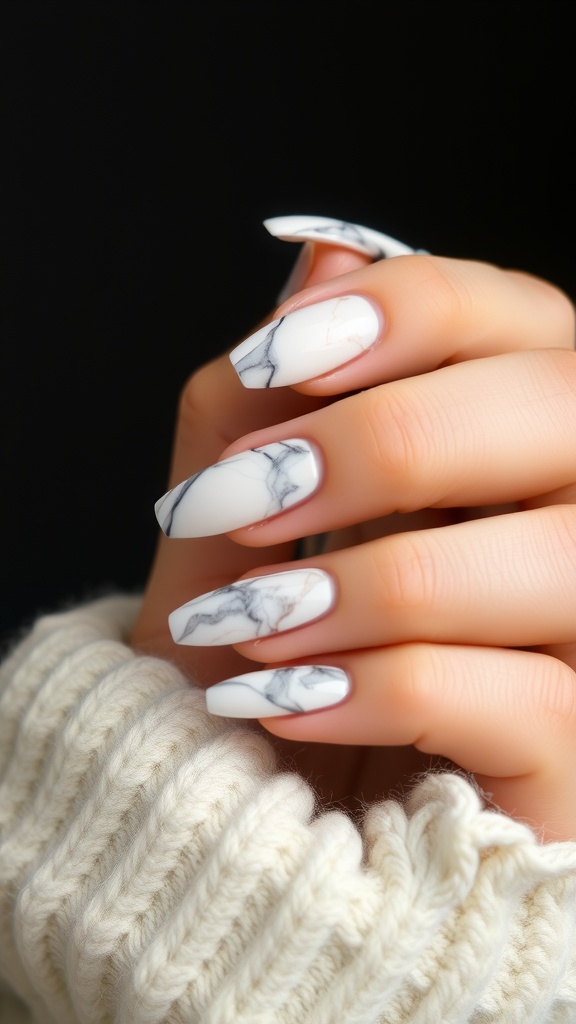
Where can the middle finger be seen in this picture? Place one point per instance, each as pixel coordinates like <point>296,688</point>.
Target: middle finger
<point>484,432</point>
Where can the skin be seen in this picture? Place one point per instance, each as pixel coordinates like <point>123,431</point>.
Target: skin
<point>449,492</point>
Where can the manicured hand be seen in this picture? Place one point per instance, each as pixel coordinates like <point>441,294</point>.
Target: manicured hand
<point>420,411</point>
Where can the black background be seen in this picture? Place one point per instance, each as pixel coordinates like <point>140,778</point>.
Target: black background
<point>142,146</point>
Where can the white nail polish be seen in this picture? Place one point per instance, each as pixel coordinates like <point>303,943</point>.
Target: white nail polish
<point>280,691</point>
<point>337,232</point>
<point>246,488</point>
<point>308,342</point>
<point>253,608</point>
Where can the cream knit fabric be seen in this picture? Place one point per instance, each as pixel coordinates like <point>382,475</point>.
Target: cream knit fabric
<point>155,866</point>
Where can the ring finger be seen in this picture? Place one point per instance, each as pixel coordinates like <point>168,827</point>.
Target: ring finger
<point>476,582</point>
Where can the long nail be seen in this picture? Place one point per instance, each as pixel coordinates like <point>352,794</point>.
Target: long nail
<point>337,232</point>
<point>253,608</point>
<point>244,489</point>
<point>279,691</point>
<point>308,342</point>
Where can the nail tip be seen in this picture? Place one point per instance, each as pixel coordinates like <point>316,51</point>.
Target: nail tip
<point>253,609</point>
<point>331,230</point>
<point>273,693</point>
<point>263,481</point>
<point>309,342</point>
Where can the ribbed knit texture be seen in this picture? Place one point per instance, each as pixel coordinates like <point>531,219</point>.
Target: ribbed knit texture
<point>155,866</point>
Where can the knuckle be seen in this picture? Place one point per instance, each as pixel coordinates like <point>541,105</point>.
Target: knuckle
<point>563,365</point>
<point>557,524</point>
<point>557,696</point>
<point>557,309</point>
<point>407,567</point>
<point>402,426</point>
<point>444,288</point>
<point>202,429</point>
<point>561,316</point>
<point>193,398</point>
<point>388,441</point>
<point>563,541</point>
<point>418,680</point>
<point>200,404</point>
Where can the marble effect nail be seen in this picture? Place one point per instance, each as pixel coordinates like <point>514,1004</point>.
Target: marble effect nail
<point>253,608</point>
<point>281,691</point>
<point>243,489</point>
<point>371,243</point>
<point>308,342</point>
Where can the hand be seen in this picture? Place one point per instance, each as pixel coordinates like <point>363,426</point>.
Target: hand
<point>449,618</point>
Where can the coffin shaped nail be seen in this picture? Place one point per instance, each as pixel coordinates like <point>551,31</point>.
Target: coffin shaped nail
<point>308,342</point>
<point>279,691</point>
<point>253,608</point>
<point>243,489</point>
<point>337,232</point>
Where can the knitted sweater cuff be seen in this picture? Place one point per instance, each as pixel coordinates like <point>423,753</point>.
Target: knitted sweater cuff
<point>156,866</point>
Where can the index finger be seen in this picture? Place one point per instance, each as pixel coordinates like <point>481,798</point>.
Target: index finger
<point>399,319</point>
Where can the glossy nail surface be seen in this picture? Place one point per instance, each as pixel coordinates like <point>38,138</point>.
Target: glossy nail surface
<point>337,232</point>
<point>308,342</point>
<point>244,489</point>
<point>253,608</point>
<point>280,691</point>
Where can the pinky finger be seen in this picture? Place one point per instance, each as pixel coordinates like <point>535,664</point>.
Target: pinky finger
<point>504,715</point>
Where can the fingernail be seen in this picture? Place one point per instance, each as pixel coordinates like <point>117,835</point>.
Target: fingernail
<point>253,608</point>
<point>337,232</point>
<point>244,489</point>
<point>308,342</point>
<point>279,691</point>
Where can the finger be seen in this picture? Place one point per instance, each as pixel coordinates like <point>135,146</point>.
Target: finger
<point>507,716</point>
<point>505,581</point>
<point>400,317</point>
<point>497,430</point>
